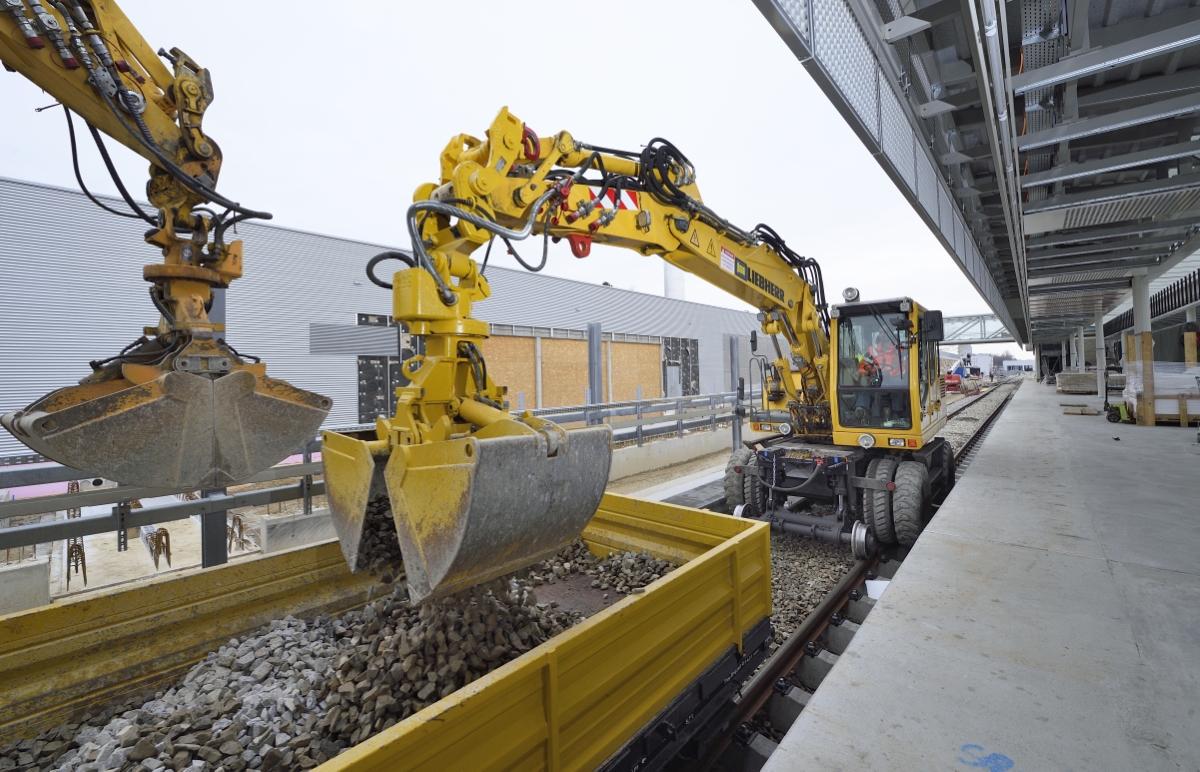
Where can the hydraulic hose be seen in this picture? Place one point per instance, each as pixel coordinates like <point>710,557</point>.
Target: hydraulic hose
<point>448,297</point>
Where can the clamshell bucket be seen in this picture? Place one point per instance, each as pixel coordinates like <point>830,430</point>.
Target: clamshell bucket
<point>471,509</point>
<point>177,431</point>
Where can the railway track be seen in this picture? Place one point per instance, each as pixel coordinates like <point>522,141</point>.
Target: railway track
<point>774,697</point>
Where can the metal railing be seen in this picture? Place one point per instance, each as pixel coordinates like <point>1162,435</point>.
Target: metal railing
<point>631,421</point>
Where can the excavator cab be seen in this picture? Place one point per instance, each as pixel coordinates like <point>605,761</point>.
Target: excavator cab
<point>888,388</point>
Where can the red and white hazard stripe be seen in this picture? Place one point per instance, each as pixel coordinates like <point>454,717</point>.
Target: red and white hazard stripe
<point>628,199</point>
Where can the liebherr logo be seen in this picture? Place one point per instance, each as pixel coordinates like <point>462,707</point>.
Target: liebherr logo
<point>747,273</point>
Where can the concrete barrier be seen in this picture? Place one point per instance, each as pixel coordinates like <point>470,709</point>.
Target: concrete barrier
<point>282,532</point>
<point>668,452</point>
<point>24,585</point>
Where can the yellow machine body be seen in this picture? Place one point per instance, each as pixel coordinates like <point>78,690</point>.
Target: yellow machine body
<point>179,408</point>
<point>914,385</point>
<point>441,455</point>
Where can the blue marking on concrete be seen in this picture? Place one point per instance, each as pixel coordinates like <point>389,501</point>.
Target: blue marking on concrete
<point>993,762</point>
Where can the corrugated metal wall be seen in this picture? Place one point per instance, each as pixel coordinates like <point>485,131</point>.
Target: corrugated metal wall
<point>71,291</point>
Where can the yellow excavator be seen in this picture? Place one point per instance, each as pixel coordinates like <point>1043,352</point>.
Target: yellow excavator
<point>178,407</point>
<point>851,400</point>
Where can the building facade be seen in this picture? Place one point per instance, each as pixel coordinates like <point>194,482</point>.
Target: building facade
<point>71,291</point>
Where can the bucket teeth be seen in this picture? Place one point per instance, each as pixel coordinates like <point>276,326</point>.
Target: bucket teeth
<point>178,431</point>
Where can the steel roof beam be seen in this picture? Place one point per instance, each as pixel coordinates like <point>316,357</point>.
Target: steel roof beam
<point>949,103</point>
<point>1104,285</point>
<point>1095,234</point>
<point>1116,192</point>
<point>1157,87</point>
<point>1112,164</point>
<point>1038,272</point>
<point>1111,245</point>
<point>1135,116</point>
<point>921,20</point>
<point>1109,57</point>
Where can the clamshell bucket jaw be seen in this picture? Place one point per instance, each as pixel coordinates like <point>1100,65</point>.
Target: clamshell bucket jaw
<point>178,430</point>
<point>471,509</point>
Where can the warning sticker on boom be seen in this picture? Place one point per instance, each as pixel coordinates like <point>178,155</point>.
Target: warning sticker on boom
<point>728,261</point>
<point>695,238</point>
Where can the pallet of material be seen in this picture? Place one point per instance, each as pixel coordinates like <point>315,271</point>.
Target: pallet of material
<point>1076,383</point>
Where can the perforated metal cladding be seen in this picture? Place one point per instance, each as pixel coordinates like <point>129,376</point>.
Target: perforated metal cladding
<point>797,11</point>
<point>927,186</point>
<point>945,215</point>
<point>1132,208</point>
<point>299,294</point>
<point>897,139</point>
<point>845,55</point>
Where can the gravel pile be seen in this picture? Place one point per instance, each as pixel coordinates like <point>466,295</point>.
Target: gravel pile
<point>803,571</point>
<point>296,693</point>
<point>623,572</point>
<point>959,429</point>
<point>379,550</point>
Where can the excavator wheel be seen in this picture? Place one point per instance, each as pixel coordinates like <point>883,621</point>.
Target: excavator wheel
<point>881,510</point>
<point>734,491</point>
<point>908,501</point>
<point>865,499</point>
<point>754,496</point>
<point>949,470</point>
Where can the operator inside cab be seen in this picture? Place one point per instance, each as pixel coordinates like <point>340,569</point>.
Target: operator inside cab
<point>873,372</point>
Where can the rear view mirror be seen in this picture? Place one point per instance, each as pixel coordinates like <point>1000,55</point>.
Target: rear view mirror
<point>934,332</point>
<point>753,340</point>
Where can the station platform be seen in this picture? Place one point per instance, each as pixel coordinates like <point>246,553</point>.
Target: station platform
<point>1047,619</point>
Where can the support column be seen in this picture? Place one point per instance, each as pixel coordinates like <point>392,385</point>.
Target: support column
<point>595,363</point>
<point>1145,343</point>
<point>537,371</point>
<point>1081,362</point>
<point>1037,362</point>
<point>1062,356</point>
<point>1101,357</point>
<point>608,347</point>
<point>1189,337</point>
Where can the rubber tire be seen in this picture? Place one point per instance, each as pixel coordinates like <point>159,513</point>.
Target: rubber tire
<point>865,500</point>
<point>734,493</point>
<point>1114,417</point>
<point>949,468</point>
<point>754,497</point>
<point>881,514</point>
<point>908,501</point>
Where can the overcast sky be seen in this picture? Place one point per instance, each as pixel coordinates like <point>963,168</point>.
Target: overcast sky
<point>330,115</point>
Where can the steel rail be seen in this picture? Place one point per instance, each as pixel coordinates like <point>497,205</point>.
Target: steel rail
<point>755,693</point>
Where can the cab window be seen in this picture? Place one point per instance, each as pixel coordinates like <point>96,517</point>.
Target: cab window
<point>872,371</point>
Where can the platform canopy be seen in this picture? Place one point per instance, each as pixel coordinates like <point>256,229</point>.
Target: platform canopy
<point>1050,144</point>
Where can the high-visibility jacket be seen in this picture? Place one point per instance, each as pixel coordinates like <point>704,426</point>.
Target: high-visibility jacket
<point>887,358</point>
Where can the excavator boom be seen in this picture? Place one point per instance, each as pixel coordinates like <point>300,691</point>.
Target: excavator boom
<point>178,407</point>
<point>477,492</point>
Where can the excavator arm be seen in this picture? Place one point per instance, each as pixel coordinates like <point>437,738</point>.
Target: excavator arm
<point>178,407</point>
<point>475,491</point>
